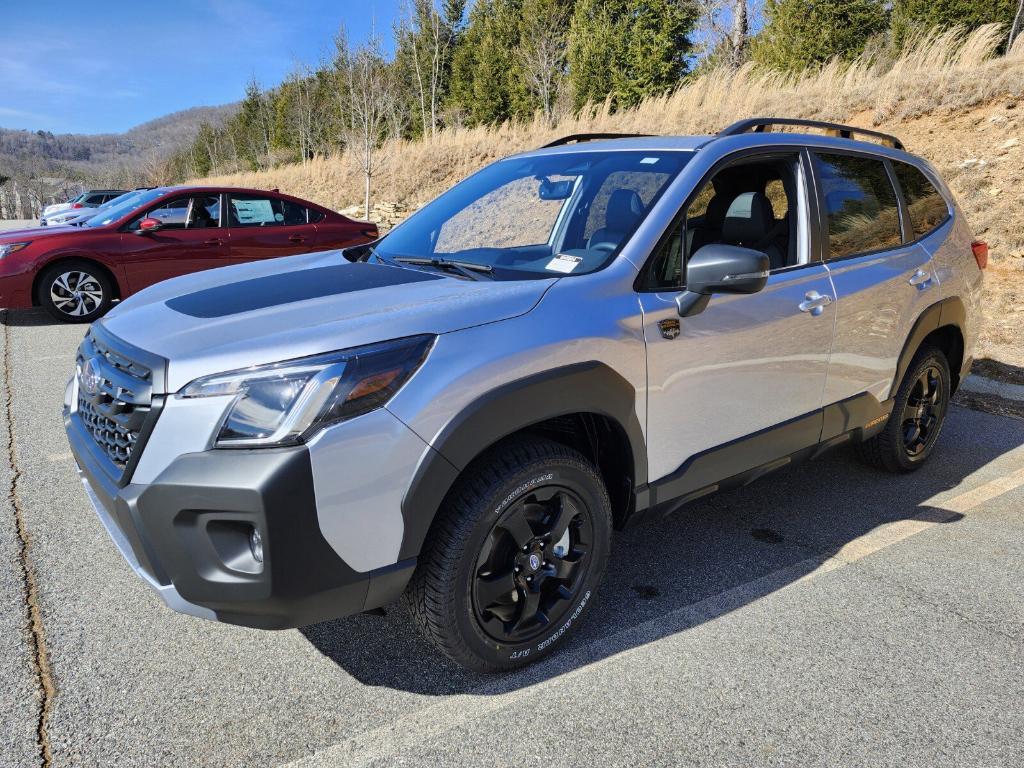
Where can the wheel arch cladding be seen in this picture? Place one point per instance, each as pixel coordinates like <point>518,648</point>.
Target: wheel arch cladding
<point>536,401</point>
<point>941,323</point>
<point>115,284</point>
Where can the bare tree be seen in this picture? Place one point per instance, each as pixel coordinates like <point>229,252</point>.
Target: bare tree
<point>739,32</point>
<point>1018,26</point>
<point>542,49</point>
<point>726,29</point>
<point>366,94</point>
<point>303,113</point>
<point>430,35</point>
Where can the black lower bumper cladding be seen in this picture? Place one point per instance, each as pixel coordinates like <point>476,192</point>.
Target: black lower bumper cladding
<point>191,527</point>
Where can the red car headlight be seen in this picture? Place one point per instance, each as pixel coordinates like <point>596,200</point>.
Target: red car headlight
<point>9,248</point>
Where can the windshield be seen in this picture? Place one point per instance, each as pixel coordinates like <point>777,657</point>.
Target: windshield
<point>546,216</point>
<point>123,206</point>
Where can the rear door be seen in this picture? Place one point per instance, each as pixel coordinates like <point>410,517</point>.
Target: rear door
<point>883,278</point>
<point>265,227</point>
<point>191,239</point>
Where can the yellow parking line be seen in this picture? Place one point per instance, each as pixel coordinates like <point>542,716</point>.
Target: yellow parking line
<point>968,500</point>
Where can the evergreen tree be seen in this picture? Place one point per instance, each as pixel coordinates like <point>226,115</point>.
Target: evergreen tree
<point>628,49</point>
<point>487,82</point>
<point>910,15</point>
<point>802,33</point>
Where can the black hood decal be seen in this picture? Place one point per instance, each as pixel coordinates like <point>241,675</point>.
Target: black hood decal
<point>290,287</point>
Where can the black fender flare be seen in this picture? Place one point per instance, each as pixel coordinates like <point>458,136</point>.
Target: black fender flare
<point>590,387</point>
<point>949,312</point>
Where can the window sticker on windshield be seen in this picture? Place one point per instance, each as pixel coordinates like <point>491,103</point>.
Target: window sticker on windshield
<point>565,263</point>
<point>649,161</point>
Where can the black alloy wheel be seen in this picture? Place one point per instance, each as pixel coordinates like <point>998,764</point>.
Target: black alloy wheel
<point>532,564</point>
<point>918,413</point>
<point>513,560</point>
<point>923,411</point>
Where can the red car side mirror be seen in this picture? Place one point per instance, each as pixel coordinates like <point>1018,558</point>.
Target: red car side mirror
<point>148,226</point>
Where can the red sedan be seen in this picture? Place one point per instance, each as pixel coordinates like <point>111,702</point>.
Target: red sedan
<point>76,272</point>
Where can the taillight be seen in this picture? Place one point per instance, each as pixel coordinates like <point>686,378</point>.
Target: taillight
<point>980,249</point>
<point>76,205</point>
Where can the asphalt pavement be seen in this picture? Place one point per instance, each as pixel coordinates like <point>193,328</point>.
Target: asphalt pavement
<point>826,615</point>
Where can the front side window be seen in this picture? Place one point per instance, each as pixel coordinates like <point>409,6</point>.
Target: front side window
<point>753,203</point>
<point>190,212</point>
<point>927,208</point>
<point>860,205</point>
<point>542,216</point>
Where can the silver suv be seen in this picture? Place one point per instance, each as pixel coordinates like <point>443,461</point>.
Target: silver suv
<point>570,340</point>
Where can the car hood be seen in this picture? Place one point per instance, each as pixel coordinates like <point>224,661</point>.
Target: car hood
<point>34,233</point>
<point>268,311</point>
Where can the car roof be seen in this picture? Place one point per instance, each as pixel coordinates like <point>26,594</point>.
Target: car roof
<point>724,144</point>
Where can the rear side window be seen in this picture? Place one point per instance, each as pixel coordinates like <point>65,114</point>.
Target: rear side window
<point>261,211</point>
<point>927,208</point>
<point>860,204</point>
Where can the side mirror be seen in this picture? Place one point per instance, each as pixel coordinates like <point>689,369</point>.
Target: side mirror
<point>148,226</point>
<point>720,268</point>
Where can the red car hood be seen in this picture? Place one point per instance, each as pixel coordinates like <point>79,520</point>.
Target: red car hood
<point>34,233</point>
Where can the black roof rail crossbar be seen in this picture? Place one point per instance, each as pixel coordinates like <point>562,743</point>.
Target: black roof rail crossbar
<point>760,124</point>
<point>578,138</point>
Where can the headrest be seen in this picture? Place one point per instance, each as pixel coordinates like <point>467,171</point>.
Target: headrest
<point>624,210</point>
<point>749,219</point>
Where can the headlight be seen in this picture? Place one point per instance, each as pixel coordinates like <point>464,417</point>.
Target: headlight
<point>283,403</point>
<point>10,248</point>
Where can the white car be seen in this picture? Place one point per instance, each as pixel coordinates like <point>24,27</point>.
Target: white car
<point>91,199</point>
<point>75,216</point>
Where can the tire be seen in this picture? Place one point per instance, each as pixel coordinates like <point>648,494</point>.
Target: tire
<point>75,291</point>
<point>918,413</point>
<point>475,550</point>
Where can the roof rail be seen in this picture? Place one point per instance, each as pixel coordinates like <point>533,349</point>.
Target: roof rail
<point>579,138</point>
<point>764,124</point>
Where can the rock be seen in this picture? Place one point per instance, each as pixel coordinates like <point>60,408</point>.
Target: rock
<point>1011,143</point>
<point>1011,105</point>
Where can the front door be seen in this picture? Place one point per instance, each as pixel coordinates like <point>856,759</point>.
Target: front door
<point>746,364</point>
<point>191,239</point>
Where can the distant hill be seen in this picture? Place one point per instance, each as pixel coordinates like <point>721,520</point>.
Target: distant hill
<point>103,158</point>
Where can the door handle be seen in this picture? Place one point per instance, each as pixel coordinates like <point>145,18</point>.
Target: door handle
<point>920,279</point>
<point>297,238</point>
<point>213,241</point>
<point>814,303</point>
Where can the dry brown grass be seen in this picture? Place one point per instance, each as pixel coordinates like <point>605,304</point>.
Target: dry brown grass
<point>949,97</point>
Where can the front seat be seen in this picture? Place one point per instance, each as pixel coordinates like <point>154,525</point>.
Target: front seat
<point>624,211</point>
<point>750,223</point>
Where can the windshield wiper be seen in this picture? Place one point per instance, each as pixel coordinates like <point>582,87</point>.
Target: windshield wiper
<point>468,269</point>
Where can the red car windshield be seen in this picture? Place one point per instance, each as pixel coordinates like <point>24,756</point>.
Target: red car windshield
<point>123,208</point>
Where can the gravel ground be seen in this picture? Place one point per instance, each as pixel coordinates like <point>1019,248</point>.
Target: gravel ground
<point>827,615</point>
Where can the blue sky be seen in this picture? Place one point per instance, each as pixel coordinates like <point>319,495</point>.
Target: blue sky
<point>97,67</point>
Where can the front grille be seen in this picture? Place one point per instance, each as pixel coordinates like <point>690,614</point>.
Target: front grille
<point>116,440</point>
<point>115,398</point>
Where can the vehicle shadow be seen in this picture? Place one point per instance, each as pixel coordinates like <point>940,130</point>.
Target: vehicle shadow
<point>669,575</point>
<point>29,318</point>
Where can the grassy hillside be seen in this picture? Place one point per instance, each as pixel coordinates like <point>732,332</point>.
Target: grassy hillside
<point>948,97</point>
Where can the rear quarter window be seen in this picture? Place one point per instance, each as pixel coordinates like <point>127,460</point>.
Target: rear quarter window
<point>928,209</point>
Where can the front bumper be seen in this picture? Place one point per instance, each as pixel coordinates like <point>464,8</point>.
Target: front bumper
<point>187,535</point>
